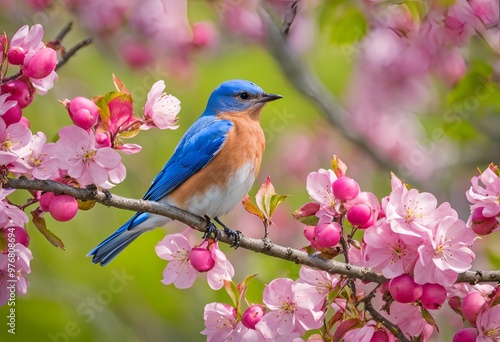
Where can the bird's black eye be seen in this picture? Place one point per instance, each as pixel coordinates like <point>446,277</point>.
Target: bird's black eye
<point>244,96</point>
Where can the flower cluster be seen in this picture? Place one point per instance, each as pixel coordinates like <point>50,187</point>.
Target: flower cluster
<point>85,153</point>
<point>397,57</point>
<point>290,309</point>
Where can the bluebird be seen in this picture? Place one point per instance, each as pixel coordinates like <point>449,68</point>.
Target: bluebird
<point>212,168</point>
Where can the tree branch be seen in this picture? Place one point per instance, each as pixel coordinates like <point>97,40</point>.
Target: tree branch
<point>261,246</point>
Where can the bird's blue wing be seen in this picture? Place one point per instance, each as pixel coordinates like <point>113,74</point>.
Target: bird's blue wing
<point>198,146</point>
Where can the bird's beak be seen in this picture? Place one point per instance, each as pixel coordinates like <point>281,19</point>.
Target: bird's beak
<point>268,98</point>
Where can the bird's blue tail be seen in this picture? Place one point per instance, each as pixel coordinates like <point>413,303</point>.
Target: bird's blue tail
<point>113,245</point>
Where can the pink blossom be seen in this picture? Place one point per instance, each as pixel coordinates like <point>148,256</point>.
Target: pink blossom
<point>37,158</point>
<point>488,324</point>
<point>77,153</point>
<point>161,109</point>
<point>486,10</point>
<point>446,254</point>
<point>28,39</point>
<point>385,252</point>
<point>322,281</point>
<point>13,138</point>
<point>176,249</point>
<point>410,212</point>
<point>292,309</point>
<point>461,23</point>
<point>22,256</point>
<point>485,193</point>
<point>43,85</point>
<point>319,187</point>
<point>222,271</point>
<point>10,215</point>
<point>220,322</point>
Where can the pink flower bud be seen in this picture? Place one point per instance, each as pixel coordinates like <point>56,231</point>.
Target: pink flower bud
<point>359,215</point>
<point>83,112</point>
<point>41,64</point>
<point>471,305</point>
<point>380,336</point>
<point>201,259</point>
<point>482,225</point>
<point>102,140</point>
<point>345,189</point>
<point>308,209</point>
<point>20,235</point>
<point>465,335</point>
<point>455,303</point>
<point>13,115</point>
<point>309,232</point>
<point>433,296</point>
<point>15,56</point>
<point>19,91</point>
<point>252,316</point>
<point>404,289</point>
<point>327,234</point>
<point>45,200</point>
<point>63,208</point>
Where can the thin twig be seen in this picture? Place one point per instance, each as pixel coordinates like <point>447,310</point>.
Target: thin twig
<point>394,329</point>
<point>199,223</point>
<point>60,36</point>
<point>11,78</point>
<point>289,18</point>
<point>68,54</point>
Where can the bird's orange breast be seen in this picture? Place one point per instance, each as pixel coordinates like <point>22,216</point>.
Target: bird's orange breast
<point>243,148</point>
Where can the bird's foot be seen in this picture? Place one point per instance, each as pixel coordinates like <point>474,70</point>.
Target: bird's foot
<point>211,230</point>
<point>234,234</point>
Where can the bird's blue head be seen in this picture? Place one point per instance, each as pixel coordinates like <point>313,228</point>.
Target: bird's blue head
<point>238,96</point>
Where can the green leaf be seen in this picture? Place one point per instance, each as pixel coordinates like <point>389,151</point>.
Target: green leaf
<point>429,318</point>
<point>119,85</point>
<point>40,224</point>
<point>233,292</point>
<point>473,84</point>
<point>251,208</point>
<point>349,27</point>
<point>243,289</point>
<point>268,200</point>
<point>275,201</point>
<point>460,131</point>
<point>307,213</point>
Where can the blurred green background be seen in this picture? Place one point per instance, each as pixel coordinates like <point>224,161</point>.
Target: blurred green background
<point>69,298</point>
